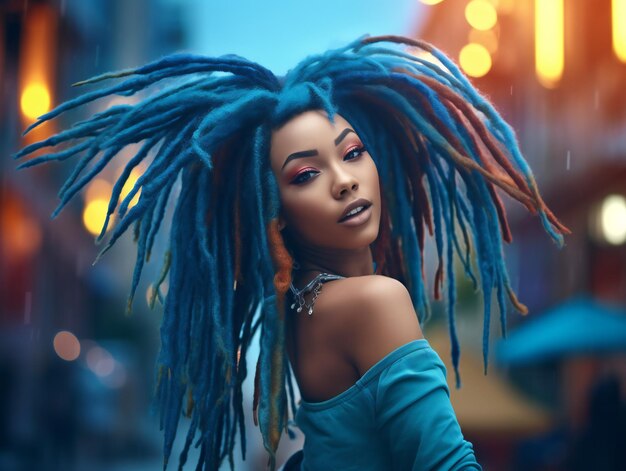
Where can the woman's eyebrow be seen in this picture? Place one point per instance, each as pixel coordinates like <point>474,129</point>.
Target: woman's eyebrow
<point>343,134</point>
<point>313,152</point>
<point>299,155</point>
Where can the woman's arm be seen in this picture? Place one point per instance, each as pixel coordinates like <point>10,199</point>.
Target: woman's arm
<point>415,416</point>
<point>413,409</point>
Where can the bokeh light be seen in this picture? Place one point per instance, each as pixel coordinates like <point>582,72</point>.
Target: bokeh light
<point>618,15</point>
<point>431,2</point>
<point>37,62</point>
<point>100,361</point>
<point>481,15</point>
<point>613,219</point>
<point>94,214</point>
<point>22,235</point>
<point>549,41</point>
<point>35,100</point>
<point>66,345</point>
<point>475,60</point>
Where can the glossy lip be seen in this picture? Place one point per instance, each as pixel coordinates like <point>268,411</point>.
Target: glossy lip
<point>359,219</point>
<point>355,204</point>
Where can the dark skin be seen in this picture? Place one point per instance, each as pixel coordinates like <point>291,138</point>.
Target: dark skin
<point>320,168</point>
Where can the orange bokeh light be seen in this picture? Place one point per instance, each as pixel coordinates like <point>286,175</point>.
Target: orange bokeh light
<point>66,345</point>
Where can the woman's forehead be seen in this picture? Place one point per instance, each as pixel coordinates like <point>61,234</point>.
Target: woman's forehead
<point>306,131</point>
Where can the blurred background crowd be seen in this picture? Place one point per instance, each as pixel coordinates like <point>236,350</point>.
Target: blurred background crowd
<point>76,372</point>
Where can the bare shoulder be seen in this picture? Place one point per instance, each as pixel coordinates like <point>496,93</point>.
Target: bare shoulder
<point>376,317</point>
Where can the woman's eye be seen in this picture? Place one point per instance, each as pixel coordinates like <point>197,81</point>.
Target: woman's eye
<point>354,153</point>
<point>307,175</point>
<point>300,178</point>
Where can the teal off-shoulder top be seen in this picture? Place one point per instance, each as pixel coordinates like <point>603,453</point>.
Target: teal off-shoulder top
<point>397,416</point>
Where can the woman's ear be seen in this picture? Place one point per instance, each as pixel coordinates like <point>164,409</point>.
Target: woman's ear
<point>281,223</point>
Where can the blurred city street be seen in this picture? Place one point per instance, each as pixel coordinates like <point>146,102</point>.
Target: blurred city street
<point>77,374</point>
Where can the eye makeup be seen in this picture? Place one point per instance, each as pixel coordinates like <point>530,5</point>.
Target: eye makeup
<point>356,151</point>
<point>301,177</point>
<point>360,148</point>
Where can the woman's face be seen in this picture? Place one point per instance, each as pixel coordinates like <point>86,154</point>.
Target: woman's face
<point>321,168</point>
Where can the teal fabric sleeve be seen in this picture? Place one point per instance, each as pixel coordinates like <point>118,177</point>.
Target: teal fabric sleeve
<point>415,416</point>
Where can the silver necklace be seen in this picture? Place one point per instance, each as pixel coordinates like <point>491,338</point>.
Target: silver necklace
<point>314,285</point>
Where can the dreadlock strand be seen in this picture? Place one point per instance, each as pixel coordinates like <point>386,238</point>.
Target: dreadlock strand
<point>420,206</point>
<point>167,260</point>
<point>504,225</point>
<point>141,254</point>
<point>282,261</point>
<point>458,106</point>
<point>438,230</point>
<point>501,303</point>
<point>455,350</point>
<point>237,225</point>
<point>161,205</point>
<point>58,156</point>
<point>270,385</point>
<point>383,240</point>
<point>121,181</point>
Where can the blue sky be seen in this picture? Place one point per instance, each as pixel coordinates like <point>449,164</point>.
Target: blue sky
<point>280,33</point>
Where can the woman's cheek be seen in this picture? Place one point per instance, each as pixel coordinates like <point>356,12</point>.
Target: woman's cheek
<point>306,214</point>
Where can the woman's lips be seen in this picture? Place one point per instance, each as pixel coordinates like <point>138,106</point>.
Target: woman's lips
<point>359,218</point>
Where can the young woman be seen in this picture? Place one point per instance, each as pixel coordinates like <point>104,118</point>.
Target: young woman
<point>330,176</point>
<point>374,393</point>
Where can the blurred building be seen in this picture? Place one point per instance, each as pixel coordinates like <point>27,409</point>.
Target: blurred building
<point>76,373</point>
<point>56,413</point>
<point>571,124</point>
<point>555,70</point>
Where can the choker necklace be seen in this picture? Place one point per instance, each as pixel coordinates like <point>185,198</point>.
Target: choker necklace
<point>314,285</point>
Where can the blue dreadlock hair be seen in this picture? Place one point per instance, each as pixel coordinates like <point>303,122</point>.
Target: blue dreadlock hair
<point>440,148</point>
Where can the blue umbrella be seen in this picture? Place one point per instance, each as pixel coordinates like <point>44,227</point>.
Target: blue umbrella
<point>577,327</point>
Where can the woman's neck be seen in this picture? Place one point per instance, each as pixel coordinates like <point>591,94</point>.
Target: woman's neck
<point>347,263</point>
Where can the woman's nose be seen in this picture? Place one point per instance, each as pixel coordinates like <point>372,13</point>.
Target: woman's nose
<point>344,181</point>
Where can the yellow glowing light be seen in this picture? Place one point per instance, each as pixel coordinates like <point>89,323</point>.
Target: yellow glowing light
<point>618,13</point>
<point>488,38</point>
<point>94,214</point>
<point>98,189</point>
<point>37,64</point>
<point>475,60</point>
<point>35,100</point>
<point>66,345</point>
<point>431,2</point>
<point>481,15</point>
<point>613,219</point>
<point>128,186</point>
<point>549,41</point>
